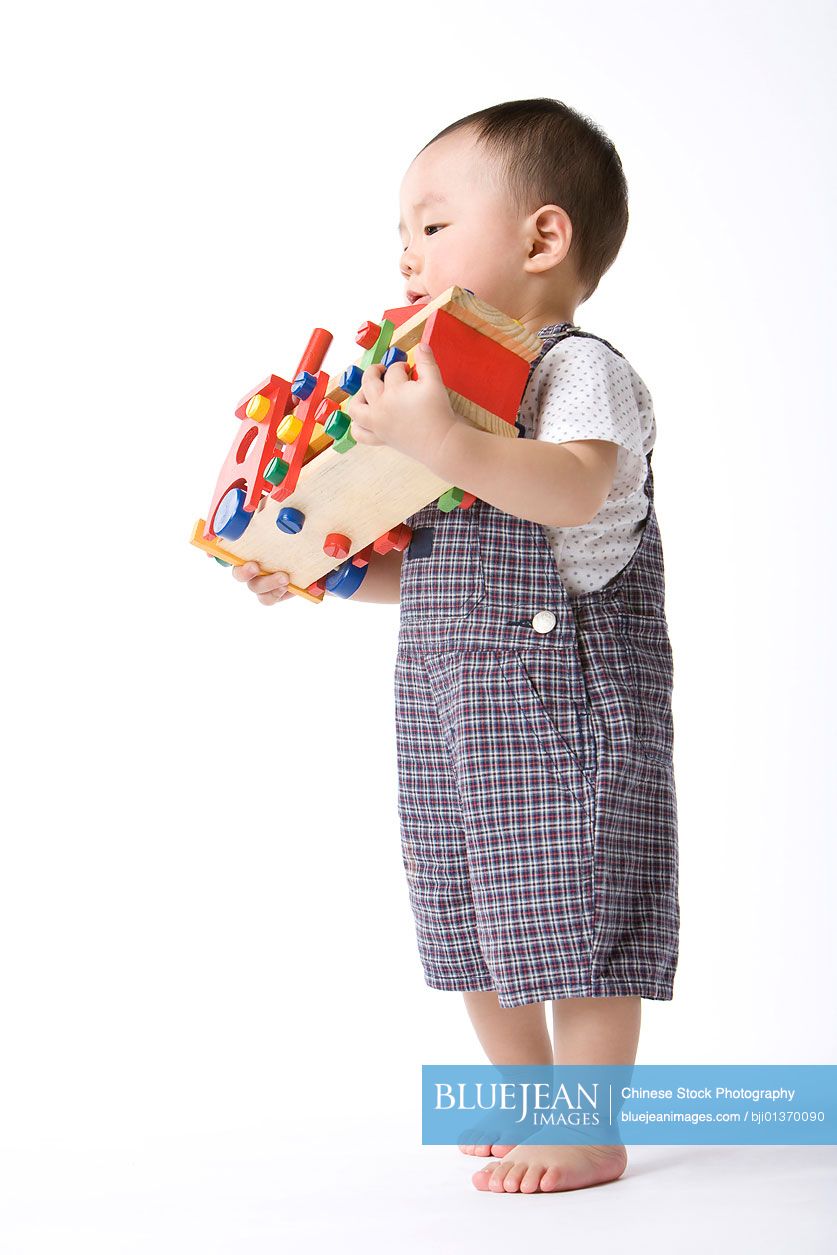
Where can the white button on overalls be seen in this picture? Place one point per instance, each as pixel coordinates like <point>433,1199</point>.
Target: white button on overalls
<point>544,621</point>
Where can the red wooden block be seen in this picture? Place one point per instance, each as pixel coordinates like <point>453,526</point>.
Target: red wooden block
<point>361,558</point>
<point>396,538</point>
<point>255,443</point>
<point>400,314</point>
<point>251,450</point>
<point>475,366</point>
<point>403,536</point>
<point>306,412</point>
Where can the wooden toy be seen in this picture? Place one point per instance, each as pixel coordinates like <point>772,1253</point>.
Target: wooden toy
<point>296,493</point>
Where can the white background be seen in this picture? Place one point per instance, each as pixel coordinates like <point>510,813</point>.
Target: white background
<point>204,923</point>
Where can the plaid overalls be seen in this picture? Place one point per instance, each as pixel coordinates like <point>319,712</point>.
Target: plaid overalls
<point>534,745</point>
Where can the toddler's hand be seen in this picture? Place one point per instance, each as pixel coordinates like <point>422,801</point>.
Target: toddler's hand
<point>269,589</point>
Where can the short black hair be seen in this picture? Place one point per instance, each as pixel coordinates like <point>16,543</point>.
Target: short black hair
<point>549,154</point>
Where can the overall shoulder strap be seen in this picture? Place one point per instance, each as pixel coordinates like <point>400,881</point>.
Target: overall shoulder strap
<point>556,332</point>
<point>576,331</point>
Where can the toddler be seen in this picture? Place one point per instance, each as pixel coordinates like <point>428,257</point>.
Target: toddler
<point>533,674</point>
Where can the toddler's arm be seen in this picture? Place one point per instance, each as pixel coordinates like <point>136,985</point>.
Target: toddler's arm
<point>382,581</point>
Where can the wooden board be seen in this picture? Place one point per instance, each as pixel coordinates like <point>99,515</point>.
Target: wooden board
<point>369,489</point>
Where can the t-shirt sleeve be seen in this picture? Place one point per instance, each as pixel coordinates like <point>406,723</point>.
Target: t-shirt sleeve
<point>584,391</point>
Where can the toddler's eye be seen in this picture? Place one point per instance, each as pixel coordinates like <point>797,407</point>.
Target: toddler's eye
<point>436,226</point>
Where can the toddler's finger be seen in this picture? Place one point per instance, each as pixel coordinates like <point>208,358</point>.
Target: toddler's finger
<point>371,382</point>
<point>272,599</point>
<point>276,582</point>
<point>246,571</point>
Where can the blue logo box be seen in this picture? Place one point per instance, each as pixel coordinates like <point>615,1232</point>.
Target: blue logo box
<point>658,1104</point>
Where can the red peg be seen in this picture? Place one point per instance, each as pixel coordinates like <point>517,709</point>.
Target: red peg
<point>367,334</point>
<point>337,545</point>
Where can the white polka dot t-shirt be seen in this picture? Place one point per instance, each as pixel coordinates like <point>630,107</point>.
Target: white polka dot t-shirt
<point>581,390</point>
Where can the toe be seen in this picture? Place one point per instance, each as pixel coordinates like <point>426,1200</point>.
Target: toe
<point>498,1176</point>
<point>552,1178</point>
<point>515,1174</point>
<point>531,1181</point>
<point>482,1179</point>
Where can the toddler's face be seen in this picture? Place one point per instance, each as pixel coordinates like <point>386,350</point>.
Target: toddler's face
<point>465,232</point>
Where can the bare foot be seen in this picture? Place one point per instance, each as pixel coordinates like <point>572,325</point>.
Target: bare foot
<point>545,1169</point>
<point>497,1151</point>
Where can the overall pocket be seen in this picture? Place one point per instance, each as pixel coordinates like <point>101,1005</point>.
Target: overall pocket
<point>543,689</point>
<point>650,661</point>
<point>442,573</point>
